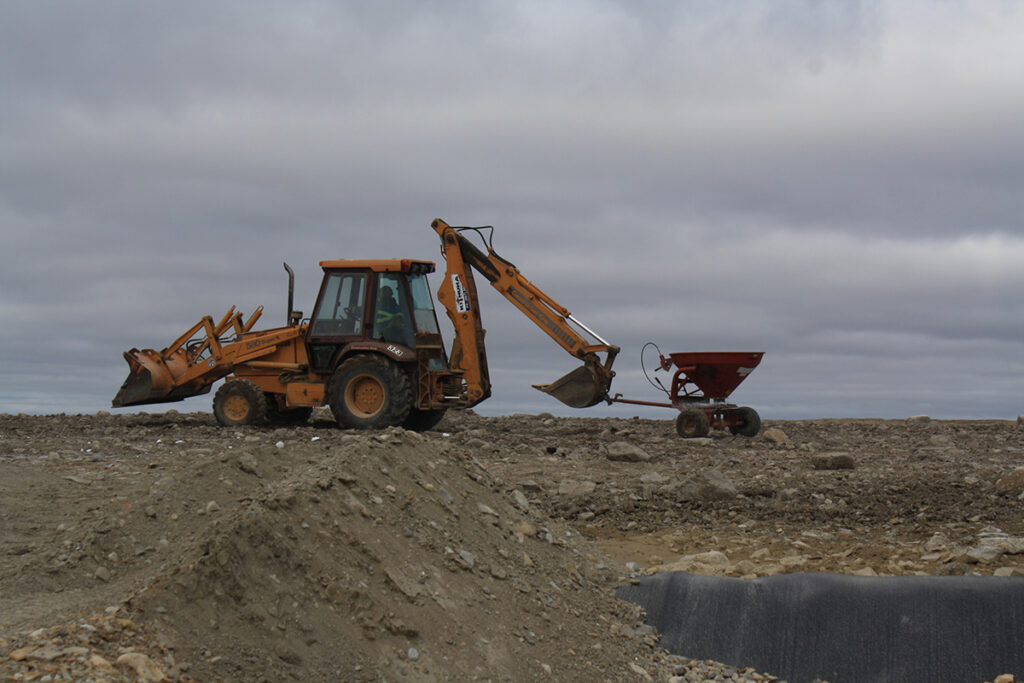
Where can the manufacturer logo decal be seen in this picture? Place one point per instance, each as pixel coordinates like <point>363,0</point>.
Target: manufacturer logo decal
<point>461,294</point>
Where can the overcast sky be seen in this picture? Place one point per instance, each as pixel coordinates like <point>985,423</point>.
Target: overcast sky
<point>837,184</point>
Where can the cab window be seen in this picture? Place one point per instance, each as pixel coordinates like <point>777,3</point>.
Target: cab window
<point>340,312</point>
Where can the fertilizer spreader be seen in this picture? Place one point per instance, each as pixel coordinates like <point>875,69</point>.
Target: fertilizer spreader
<point>700,384</point>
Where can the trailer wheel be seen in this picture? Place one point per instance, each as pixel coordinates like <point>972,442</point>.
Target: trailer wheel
<point>749,422</point>
<point>239,402</point>
<point>422,420</point>
<point>369,391</point>
<point>692,423</point>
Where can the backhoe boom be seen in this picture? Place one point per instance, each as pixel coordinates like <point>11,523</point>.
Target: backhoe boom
<point>581,388</point>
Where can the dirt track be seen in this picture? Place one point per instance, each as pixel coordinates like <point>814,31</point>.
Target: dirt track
<point>488,548</point>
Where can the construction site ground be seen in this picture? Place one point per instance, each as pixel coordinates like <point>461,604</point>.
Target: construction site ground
<point>161,546</point>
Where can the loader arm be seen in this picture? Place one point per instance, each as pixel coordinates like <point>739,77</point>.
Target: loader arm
<point>197,359</point>
<point>583,387</point>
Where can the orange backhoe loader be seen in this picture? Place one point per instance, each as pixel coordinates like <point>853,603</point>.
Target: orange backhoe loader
<point>371,351</point>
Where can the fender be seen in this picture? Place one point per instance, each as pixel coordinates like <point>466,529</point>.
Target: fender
<point>396,352</point>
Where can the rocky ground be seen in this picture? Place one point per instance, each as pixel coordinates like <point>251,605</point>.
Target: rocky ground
<point>165,547</point>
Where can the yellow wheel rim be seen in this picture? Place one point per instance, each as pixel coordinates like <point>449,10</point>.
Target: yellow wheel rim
<point>236,407</point>
<point>365,396</point>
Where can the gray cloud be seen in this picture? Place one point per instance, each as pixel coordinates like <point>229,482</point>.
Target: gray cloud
<point>836,184</point>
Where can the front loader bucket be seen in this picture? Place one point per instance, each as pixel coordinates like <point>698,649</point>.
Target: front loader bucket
<point>151,379</point>
<point>585,386</point>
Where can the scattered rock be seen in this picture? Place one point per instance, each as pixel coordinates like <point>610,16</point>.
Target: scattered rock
<point>521,501</point>
<point>626,452</point>
<point>1009,571</point>
<point>531,486</point>
<point>100,663</point>
<point>938,541</point>
<point>919,419</point>
<point>707,485</point>
<point>568,487</point>
<point>775,435</point>
<point>832,461</point>
<point>1012,483</point>
<point>145,668</point>
<point>984,554</point>
<point>247,463</point>
<point>21,654</point>
<point>467,559</point>
<point>526,529</point>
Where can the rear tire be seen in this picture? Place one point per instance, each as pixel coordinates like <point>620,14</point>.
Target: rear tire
<point>240,402</point>
<point>423,420</point>
<point>692,423</point>
<point>368,391</point>
<point>749,423</point>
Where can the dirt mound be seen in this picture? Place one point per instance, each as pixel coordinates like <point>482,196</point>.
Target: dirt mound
<point>305,554</point>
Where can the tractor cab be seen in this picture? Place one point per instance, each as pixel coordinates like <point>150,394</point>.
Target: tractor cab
<point>384,305</point>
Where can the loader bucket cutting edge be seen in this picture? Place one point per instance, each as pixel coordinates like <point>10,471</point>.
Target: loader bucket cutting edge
<point>581,388</point>
<point>137,388</point>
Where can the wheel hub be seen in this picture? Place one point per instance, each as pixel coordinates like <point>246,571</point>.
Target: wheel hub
<point>365,396</point>
<point>236,407</point>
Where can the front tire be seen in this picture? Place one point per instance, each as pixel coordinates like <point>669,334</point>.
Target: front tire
<point>240,402</point>
<point>369,392</point>
<point>692,423</point>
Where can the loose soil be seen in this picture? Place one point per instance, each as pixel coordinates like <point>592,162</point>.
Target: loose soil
<point>163,546</point>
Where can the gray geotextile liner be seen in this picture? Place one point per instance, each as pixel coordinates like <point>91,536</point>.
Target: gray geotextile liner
<point>842,628</point>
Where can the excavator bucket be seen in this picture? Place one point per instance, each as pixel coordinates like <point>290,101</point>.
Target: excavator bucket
<point>151,379</point>
<point>585,386</point>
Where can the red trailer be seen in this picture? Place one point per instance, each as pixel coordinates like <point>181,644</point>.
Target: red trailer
<point>700,384</point>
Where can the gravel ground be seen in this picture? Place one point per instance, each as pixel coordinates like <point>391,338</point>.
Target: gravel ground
<point>165,547</point>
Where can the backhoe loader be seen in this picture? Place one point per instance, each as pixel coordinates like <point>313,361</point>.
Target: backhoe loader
<point>371,351</point>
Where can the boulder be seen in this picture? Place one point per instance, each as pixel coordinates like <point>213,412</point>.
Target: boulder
<point>1012,483</point>
<point>626,452</point>
<point>707,485</point>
